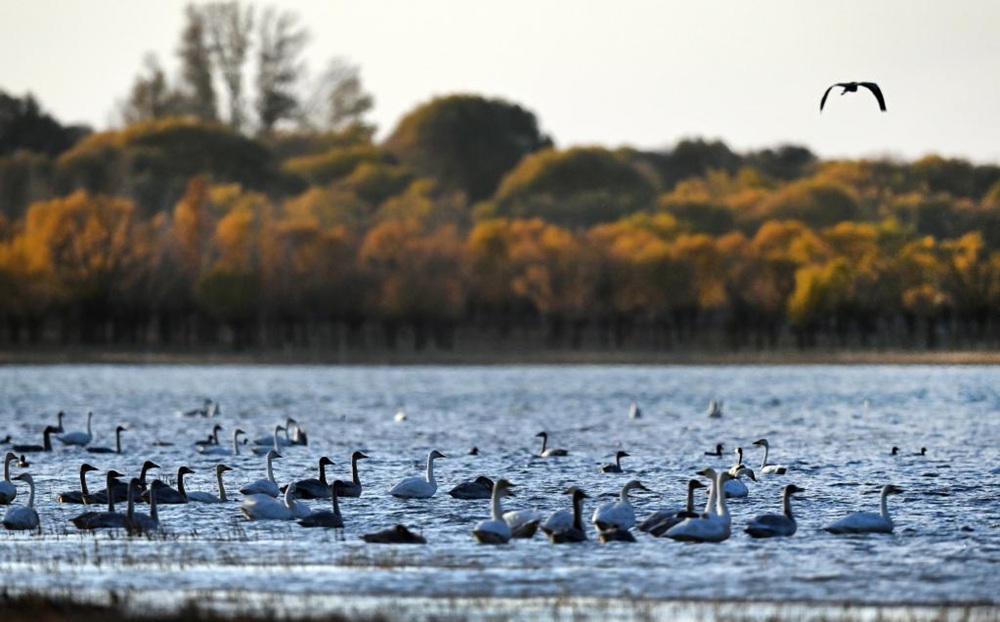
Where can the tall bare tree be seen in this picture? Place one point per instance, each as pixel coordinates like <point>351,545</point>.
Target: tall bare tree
<point>196,67</point>
<point>280,46</point>
<point>151,96</point>
<point>230,30</point>
<point>338,101</point>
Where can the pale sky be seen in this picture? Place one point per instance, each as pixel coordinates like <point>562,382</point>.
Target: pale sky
<point>642,73</point>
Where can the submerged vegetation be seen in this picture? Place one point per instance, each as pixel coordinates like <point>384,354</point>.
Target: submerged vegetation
<point>294,228</point>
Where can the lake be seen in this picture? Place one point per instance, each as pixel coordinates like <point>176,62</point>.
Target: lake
<point>833,426</point>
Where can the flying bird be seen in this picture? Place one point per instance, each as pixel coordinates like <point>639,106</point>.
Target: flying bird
<point>852,87</point>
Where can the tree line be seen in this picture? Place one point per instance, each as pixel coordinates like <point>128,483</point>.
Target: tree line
<point>466,226</point>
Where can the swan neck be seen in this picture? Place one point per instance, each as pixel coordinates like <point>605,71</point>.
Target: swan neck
<point>222,488</point>
<point>289,497</point>
<point>354,471</point>
<point>236,445</point>
<point>334,501</point>
<point>6,470</point>
<point>786,505</point>
<point>623,497</point>
<point>111,496</point>
<point>118,441</point>
<point>31,493</point>
<point>544,443</point>
<point>496,513</point>
<point>83,483</point>
<point>578,513</point>
<point>430,470</point>
<point>322,473</point>
<point>270,471</point>
<point>130,496</point>
<point>763,461</point>
<point>713,492</point>
<point>689,507</point>
<point>720,497</point>
<point>47,439</point>
<point>180,485</point>
<point>884,505</point>
<point>153,512</point>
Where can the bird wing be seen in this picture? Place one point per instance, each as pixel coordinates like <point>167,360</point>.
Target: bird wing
<point>822,102</point>
<point>871,86</point>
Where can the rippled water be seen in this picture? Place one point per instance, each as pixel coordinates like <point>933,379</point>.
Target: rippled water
<point>833,426</point>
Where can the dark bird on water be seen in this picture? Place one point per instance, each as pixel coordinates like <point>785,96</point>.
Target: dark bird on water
<point>852,87</point>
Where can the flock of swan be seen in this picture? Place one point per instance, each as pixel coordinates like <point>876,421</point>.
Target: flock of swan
<point>266,499</point>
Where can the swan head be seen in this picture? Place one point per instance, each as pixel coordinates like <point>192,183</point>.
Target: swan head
<point>237,432</point>
<point>120,428</point>
<point>184,470</point>
<point>113,475</point>
<point>709,473</point>
<point>739,452</point>
<point>503,488</point>
<point>621,454</point>
<point>761,442</point>
<point>745,471</point>
<point>358,456</point>
<point>10,457</point>
<point>544,435</point>
<point>87,468</point>
<point>435,454</point>
<point>216,428</point>
<point>24,477</point>
<point>694,484</point>
<point>894,451</point>
<point>149,464</point>
<point>271,454</point>
<point>634,485</point>
<point>325,461</point>
<point>222,468</point>
<point>891,489</point>
<point>792,489</point>
<point>576,492</point>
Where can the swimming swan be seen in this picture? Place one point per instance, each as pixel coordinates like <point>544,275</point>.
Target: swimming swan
<point>574,532</point>
<point>102,520</point>
<point>137,523</point>
<point>108,450</point>
<point>736,489</point>
<point>352,488</point>
<point>765,468</point>
<point>868,522</point>
<point>78,496</point>
<point>46,442</point>
<point>166,494</point>
<point>662,520</point>
<point>775,525</point>
<point>22,518</point>
<point>313,488</point>
<point>713,526</point>
<point>523,523</point>
<point>78,438</point>
<point>616,467</point>
<point>266,486</point>
<point>551,451</point>
<point>327,518</point>
<point>479,488</point>
<point>261,449</point>
<point>199,496</point>
<point>495,530</point>
<point>265,507</point>
<point>219,450</point>
<point>620,515</point>
<point>419,487</point>
<point>8,492</point>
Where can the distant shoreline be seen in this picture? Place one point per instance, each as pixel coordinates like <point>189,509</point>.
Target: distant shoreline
<point>94,355</point>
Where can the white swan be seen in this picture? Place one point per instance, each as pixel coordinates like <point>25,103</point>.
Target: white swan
<point>634,412</point>
<point>267,486</point>
<point>108,450</point>
<point>264,507</point>
<point>261,449</point>
<point>714,410</point>
<point>735,488</point>
<point>495,530</point>
<point>419,487</point>
<point>219,450</point>
<point>574,532</point>
<point>523,523</point>
<point>620,515</point>
<point>78,496</point>
<point>868,522</point>
<point>739,461</point>
<point>550,451</point>
<point>200,496</point>
<point>765,468</point>
<point>330,519</point>
<point>8,491</point>
<point>775,525</point>
<point>353,487</point>
<point>713,526</point>
<point>21,518</point>
<point>615,467</point>
<point>662,520</point>
<point>78,438</point>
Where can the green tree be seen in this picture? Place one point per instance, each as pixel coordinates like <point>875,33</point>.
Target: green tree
<point>466,142</point>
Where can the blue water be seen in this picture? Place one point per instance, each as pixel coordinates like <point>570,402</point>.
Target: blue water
<point>833,426</point>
